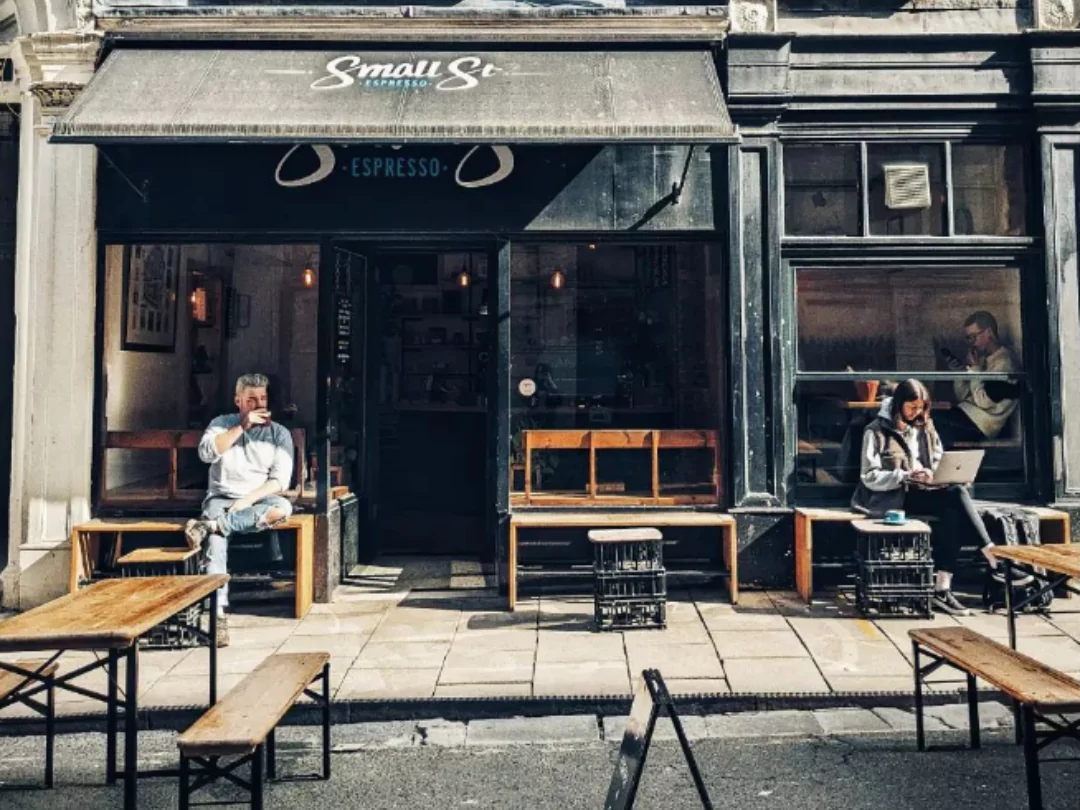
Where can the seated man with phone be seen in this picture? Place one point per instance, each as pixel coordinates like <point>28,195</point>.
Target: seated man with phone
<point>901,459</point>
<point>983,406</point>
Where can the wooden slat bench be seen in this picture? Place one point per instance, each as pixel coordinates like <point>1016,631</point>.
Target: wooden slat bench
<point>1041,693</point>
<point>585,519</point>
<point>15,688</point>
<point>1054,528</point>
<point>243,724</point>
<point>85,536</point>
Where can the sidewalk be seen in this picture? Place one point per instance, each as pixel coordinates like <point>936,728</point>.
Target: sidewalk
<point>450,644</point>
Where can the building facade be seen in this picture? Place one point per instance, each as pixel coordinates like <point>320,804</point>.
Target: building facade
<point>718,230</point>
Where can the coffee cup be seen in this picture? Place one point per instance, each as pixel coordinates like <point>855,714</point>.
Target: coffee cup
<point>895,517</point>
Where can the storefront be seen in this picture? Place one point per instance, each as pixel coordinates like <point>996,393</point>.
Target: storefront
<point>492,244</point>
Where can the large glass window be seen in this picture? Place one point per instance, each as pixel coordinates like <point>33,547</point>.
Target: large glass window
<point>615,363</point>
<point>182,322</point>
<point>911,189</point>
<point>862,331</point>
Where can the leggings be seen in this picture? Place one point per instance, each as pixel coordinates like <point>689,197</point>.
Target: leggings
<point>958,522</point>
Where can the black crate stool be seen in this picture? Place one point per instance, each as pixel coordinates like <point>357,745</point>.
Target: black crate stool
<point>629,580</point>
<point>182,630</point>
<point>895,571</point>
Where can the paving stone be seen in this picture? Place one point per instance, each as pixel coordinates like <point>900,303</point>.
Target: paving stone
<point>363,624</point>
<point>490,621</point>
<point>555,647</point>
<point>759,675</point>
<point>530,730</point>
<point>955,715</point>
<point>394,683</point>
<point>850,721</point>
<point>337,646</point>
<point>441,733</point>
<point>494,640</point>
<point>694,727</point>
<point>872,683</point>
<point>406,655</point>
<point>360,736</point>
<point>850,647</point>
<point>904,720</point>
<point>487,666</point>
<point>678,661</point>
<point>1060,652</point>
<point>398,631</point>
<point>763,644</point>
<point>692,686</point>
<point>587,678</point>
<point>763,724</point>
<point>483,690</point>
<point>996,625</point>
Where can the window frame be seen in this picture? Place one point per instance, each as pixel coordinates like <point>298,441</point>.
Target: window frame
<point>1026,263</point>
<point>947,142</point>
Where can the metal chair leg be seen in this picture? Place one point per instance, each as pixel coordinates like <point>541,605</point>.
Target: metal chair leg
<point>920,735</point>
<point>973,711</point>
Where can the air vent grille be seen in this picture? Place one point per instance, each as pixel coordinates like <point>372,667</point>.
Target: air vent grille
<point>907,186</point>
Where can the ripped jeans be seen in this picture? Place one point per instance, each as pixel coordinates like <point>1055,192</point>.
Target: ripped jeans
<point>242,521</point>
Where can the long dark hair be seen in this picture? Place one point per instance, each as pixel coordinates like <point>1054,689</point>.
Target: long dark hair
<point>911,391</point>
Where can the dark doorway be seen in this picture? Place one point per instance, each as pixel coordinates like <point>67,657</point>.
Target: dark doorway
<point>9,192</point>
<point>428,360</point>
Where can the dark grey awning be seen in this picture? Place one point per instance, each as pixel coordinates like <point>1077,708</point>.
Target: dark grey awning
<point>299,96</point>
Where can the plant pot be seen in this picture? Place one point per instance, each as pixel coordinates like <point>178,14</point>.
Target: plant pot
<point>866,390</point>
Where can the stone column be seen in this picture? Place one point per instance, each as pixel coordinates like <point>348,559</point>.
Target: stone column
<point>55,302</point>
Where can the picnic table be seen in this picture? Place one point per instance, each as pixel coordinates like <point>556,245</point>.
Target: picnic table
<point>1061,563</point>
<point>110,616</point>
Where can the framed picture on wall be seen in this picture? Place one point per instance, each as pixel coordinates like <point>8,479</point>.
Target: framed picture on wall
<point>151,289</point>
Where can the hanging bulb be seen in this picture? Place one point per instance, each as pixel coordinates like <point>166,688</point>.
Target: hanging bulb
<point>308,277</point>
<point>558,280</point>
<point>463,278</point>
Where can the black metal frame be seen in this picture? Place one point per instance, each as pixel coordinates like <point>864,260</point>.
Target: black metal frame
<point>46,710</point>
<point>1029,717</point>
<point>113,702</point>
<point>263,759</point>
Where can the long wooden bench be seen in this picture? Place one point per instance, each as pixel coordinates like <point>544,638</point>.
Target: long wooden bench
<point>243,724</point>
<point>86,537</point>
<point>18,689</point>
<point>1054,528</point>
<point>585,519</point>
<point>1041,693</point>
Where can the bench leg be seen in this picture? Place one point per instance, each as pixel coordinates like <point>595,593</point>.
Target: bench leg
<point>1031,759</point>
<point>730,551</point>
<point>185,792</point>
<point>920,734</point>
<point>257,780</point>
<point>111,722</point>
<point>50,732</point>
<point>271,755</point>
<point>973,711</point>
<point>326,721</point>
<point>511,580</point>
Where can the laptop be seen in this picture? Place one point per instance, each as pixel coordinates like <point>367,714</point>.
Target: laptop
<point>958,467</point>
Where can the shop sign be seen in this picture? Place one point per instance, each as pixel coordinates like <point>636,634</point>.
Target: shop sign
<point>390,164</point>
<point>463,73</point>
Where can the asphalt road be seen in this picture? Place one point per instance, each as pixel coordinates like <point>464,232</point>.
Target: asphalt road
<point>771,773</point>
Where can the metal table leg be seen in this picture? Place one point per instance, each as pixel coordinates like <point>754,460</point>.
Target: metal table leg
<point>111,719</point>
<point>131,729</point>
<point>213,646</point>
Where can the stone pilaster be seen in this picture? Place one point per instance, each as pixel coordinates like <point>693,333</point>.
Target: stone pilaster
<point>55,279</point>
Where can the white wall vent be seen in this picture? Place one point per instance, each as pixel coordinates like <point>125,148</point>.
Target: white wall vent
<point>907,185</point>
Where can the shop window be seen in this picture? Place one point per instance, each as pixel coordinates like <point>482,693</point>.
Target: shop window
<point>906,187</point>
<point>615,363</point>
<point>182,322</point>
<point>822,195</point>
<point>957,329</point>
<point>988,188</point>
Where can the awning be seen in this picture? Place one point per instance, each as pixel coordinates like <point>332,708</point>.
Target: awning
<point>306,96</point>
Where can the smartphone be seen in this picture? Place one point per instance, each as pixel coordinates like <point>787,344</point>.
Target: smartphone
<point>948,355</point>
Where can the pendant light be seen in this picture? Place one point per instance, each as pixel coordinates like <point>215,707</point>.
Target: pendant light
<point>558,279</point>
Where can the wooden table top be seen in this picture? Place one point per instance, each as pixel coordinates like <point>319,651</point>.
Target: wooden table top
<point>599,519</point>
<point>108,614</point>
<point>1062,559</point>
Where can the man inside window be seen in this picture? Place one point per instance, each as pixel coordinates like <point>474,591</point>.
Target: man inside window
<point>983,407</point>
<point>251,464</point>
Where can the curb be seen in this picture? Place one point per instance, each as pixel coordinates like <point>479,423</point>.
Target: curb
<point>178,718</point>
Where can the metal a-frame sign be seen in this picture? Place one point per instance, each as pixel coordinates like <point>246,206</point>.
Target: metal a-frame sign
<point>652,697</point>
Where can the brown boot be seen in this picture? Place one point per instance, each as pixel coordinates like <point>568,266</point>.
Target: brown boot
<point>222,631</point>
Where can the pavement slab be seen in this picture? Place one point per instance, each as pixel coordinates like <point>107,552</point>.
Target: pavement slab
<point>763,644</point>
<point>532,730</point>
<point>406,655</point>
<point>487,666</point>
<point>392,683</point>
<point>587,678</point>
<point>850,647</point>
<point>772,675</point>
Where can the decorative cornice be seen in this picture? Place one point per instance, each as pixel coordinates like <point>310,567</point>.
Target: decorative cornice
<point>55,97</point>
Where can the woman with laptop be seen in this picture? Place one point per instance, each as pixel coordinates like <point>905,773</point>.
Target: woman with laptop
<point>904,467</point>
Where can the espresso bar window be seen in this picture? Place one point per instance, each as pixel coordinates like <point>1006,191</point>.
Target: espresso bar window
<point>859,332</point>
<point>822,190</point>
<point>988,190</point>
<point>615,374</point>
<point>907,189</point>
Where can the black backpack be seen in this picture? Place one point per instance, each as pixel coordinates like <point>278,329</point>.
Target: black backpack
<point>1012,525</point>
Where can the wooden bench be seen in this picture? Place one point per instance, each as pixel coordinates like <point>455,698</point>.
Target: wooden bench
<point>1038,690</point>
<point>242,725</point>
<point>16,688</point>
<point>585,519</point>
<point>1054,528</point>
<point>86,539</point>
